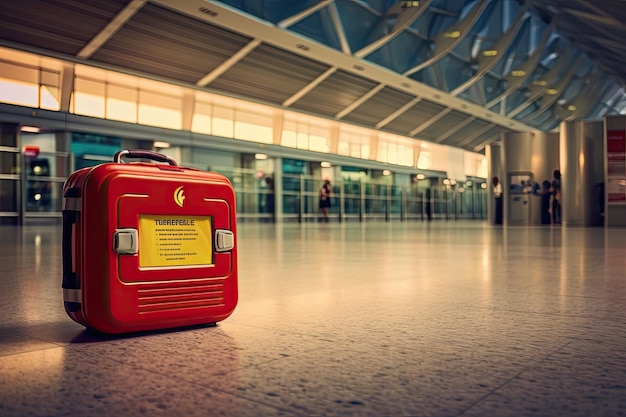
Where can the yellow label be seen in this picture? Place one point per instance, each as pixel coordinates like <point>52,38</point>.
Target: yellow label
<point>175,241</point>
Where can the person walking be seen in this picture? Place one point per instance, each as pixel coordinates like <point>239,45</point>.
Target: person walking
<point>497,193</point>
<point>325,193</point>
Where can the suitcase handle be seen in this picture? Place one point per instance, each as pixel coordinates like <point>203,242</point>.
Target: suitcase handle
<point>145,154</point>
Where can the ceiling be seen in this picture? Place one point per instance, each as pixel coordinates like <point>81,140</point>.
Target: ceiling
<point>596,27</point>
<point>453,72</point>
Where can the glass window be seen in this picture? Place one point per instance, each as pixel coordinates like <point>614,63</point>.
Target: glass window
<point>201,120</point>
<point>354,143</point>
<point>19,85</point>
<point>395,150</point>
<point>302,140</point>
<point>160,110</point>
<point>122,103</point>
<point>319,139</point>
<point>288,137</point>
<point>88,98</point>
<point>424,160</point>
<point>19,93</point>
<point>254,127</point>
<point>90,149</point>
<point>49,98</point>
<point>49,90</point>
<point>223,124</point>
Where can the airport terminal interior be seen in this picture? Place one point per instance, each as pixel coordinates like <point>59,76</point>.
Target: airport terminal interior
<point>420,287</point>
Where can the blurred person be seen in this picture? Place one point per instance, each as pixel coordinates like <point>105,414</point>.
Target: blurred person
<point>556,197</point>
<point>545,202</point>
<point>497,193</point>
<point>325,193</point>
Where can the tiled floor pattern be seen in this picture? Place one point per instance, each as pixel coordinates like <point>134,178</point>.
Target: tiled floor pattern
<point>378,319</point>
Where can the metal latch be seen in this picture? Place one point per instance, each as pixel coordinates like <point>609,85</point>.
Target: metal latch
<point>126,241</point>
<point>224,240</point>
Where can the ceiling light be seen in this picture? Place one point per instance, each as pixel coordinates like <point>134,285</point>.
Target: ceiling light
<point>421,176</point>
<point>407,4</point>
<point>326,164</point>
<point>490,52</point>
<point>386,172</point>
<point>452,35</point>
<point>518,73</point>
<point>30,129</point>
<point>260,156</point>
<point>161,145</point>
<point>446,181</point>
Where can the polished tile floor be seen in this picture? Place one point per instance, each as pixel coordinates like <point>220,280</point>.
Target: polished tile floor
<point>377,319</point>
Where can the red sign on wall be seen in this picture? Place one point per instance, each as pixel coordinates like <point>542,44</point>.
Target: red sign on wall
<point>616,165</point>
<point>615,141</point>
<point>31,151</point>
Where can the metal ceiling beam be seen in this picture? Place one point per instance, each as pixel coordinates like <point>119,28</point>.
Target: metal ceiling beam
<point>226,65</point>
<point>550,78</point>
<point>336,19</point>
<point>469,139</point>
<point>428,123</point>
<point>111,28</point>
<point>528,66</point>
<point>549,99</point>
<point>398,113</point>
<point>309,87</point>
<point>596,9</point>
<point>485,63</point>
<point>359,101</point>
<point>486,142</point>
<point>445,41</point>
<point>454,129</point>
<point>600,17</point>
<point>234,20</point>
<point>585,101</point>
<point>284,24</point>
<point>405,17</point>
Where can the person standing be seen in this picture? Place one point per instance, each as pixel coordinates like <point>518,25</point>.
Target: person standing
<point>545,202</point>
<point>325,192</point>
<point>497,193</point>
<point>556,197</point>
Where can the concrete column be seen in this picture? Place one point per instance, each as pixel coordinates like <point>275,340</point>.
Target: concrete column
<point>579,143</point>
<point>495,161</point>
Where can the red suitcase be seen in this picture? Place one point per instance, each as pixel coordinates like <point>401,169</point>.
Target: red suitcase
<point>148,245</point>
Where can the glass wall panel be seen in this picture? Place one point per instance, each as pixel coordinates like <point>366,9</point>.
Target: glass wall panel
<point>354,143</point>
<point>50,93</point>
<point>88,97</point>
<point>351,181</point>
<point>223,122</point>
<point>92,149</point>
<point>201,120</point>
<point>44,192</point>
<point>122,103</point>
<point>160,110</point>
<point>8,193</point>
<point>9,181</point>
<point>253,126</point>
